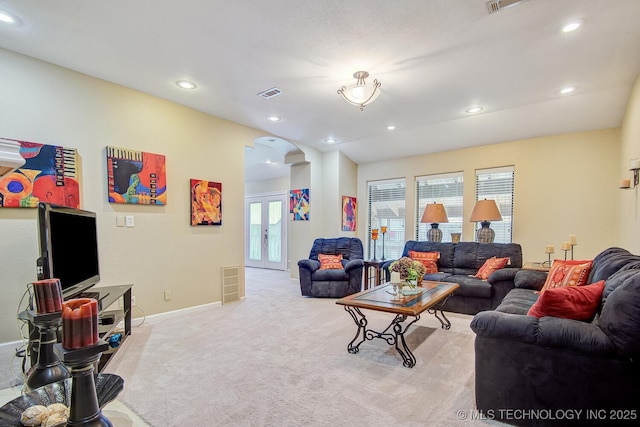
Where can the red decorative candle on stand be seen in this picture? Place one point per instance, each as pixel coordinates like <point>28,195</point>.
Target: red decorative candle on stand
<point>79,323</point>
<point>48,296</point>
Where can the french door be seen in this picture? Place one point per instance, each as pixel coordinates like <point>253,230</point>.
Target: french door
<point>265,231</point>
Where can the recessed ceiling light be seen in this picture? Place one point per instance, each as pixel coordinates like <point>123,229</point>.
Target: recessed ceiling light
<point>274,118</point>
<point>268,161</point>
<point>572,26</point>
<point>9,18</point>
<point>330,140</point>
<point>473,110</point>
<point>391,127</point>
<point>567,90</point>
<point>186,84</point>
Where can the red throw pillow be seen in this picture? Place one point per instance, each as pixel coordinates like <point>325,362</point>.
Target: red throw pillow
<point>491,265</point>
<point>570,302</point>
<point>567,273</point>
<point>330,262</point>
<point>428,259</point>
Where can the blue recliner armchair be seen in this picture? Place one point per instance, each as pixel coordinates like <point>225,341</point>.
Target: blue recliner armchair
<point>336,283</point>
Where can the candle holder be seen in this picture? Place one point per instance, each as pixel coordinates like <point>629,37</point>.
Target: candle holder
<point>84,409</point>
<point>549,249</point>
<point>565,253</point>
<point>374,237</point>
<point>48,368</point>
<point>383,230</point>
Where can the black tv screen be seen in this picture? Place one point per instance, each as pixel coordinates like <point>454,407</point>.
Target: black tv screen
<point>68,247</point>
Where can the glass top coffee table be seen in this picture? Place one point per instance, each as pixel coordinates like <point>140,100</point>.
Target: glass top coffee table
<point>431,297</point>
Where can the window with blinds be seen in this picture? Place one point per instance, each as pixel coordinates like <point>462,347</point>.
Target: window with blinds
<point>497,184</point>
<point>445,189</point>
<point>386,208</point>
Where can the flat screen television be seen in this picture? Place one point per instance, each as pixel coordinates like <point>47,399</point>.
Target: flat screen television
<point>68,248</point>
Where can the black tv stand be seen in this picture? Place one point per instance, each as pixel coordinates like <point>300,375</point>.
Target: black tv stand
<point>107,297</point>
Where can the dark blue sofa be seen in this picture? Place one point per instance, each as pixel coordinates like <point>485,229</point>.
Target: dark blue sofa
<point>559,365</point>
<point>332,283</point>
<point>459,262</point>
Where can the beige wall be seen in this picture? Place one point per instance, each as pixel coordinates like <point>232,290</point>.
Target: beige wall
<point>48,104</point>
<point>629,207</point>
<point>276,185</point>
<point>564,184</point>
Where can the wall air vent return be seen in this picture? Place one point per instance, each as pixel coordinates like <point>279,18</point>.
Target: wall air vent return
<point>496,5</point>
<point>270,93</point>
<point>230,283</point>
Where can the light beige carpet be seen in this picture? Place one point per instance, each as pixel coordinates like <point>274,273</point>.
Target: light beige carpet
<point>280,359</point>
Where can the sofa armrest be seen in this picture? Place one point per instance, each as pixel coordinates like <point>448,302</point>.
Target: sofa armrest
<point>503,275</point>
<point>565,334</point>
<point>309,264</point>
<point>353,264</point>
<point>530,279</point>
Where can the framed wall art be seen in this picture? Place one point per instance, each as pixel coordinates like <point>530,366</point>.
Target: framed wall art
<point>48,175</point>
<point>349,213</point>
<point>136,177</point>
<point>206,202</point>
<point>299,205</point>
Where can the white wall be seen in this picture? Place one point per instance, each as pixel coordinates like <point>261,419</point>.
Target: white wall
<point>44,103</point>
<point>564,184</point>
<point>629,207</point>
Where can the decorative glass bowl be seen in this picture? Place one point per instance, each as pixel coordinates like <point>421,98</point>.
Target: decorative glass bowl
<point>108,386</point>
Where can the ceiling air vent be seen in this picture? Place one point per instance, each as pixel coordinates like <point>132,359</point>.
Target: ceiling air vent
<point>496,5</point>
<point>270,93</point>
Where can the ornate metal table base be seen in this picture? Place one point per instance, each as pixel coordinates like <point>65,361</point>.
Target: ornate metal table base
<point>392,334</point>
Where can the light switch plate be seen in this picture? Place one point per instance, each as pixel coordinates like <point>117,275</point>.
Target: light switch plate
<point>130,221</point>
<point>120,221</point>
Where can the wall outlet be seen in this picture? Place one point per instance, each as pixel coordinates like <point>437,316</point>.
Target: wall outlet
<point>168,294</point>
<point>133,301</point>
<point>129,221</point>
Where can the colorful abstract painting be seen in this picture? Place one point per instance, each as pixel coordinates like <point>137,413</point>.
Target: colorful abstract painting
<point>299,205</point>
<point>136,177</point>
<point>49,175</point>
<point>206,202</point>
<point>349,213</point>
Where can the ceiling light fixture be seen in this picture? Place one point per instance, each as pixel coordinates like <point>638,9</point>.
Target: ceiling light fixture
<point>330,140</point>
<point>473,110</point>
<point>9,18</point>
<point>186,84</point>
<point>274,118</point>
<point>360,94</point>
<point>572,26</point>
<point>567,90</point>
<point>391,127</point>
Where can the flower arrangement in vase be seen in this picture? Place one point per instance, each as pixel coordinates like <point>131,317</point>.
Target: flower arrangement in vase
<point>410,271</point>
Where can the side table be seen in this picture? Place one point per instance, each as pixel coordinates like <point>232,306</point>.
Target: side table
<point>376,276</point>
<point>536,266</point>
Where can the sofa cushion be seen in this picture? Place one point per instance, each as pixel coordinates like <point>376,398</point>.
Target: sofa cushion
<point>620,316</point>
<point>470,286</point>
<point>330,275</point>
<point>567,273</point>
<point>571,302</point>
<point>518,301</point>
<point>491,265</point>
<point>470,256</point>
<point>446,250</point>
<point>428,259</point>
<point>330,262</point>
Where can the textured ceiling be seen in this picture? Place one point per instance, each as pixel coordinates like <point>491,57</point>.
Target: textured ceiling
<point>434,58</point>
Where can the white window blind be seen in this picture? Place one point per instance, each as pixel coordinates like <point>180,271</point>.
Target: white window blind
<point>497,184</point>
<point>443,188</point>
<point>386,208</point>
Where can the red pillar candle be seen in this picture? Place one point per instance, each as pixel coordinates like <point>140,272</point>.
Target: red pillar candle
<point>48,296</point>
<point>79,323</point>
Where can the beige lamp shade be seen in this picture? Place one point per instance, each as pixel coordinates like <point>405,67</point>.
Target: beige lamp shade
<point>434,213</point>
<point>485,210</point>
